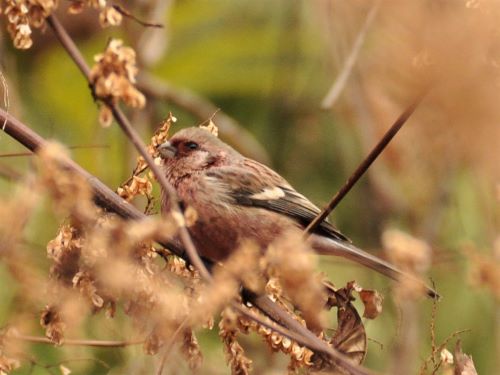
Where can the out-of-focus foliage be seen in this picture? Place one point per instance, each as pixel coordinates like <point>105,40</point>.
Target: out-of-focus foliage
<point>268,65</point>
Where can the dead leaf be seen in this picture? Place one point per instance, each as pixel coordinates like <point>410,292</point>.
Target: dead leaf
<point>463,363</point>
<point>372,300</point>
<point>350,336</point>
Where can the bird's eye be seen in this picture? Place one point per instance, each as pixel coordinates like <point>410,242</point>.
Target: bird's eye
<point>191,145</point>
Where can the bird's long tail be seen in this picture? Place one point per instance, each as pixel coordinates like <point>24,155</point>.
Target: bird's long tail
<point>328,246</point>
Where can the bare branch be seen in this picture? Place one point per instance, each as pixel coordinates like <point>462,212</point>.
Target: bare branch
<point>298,333</point>
<point>124,12</point>
<point>365,164</point>
<point>6,100</point>
<point>75,342</point>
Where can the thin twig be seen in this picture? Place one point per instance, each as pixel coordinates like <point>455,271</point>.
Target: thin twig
<point>130,132</point>
<point>6,101</point>
<point>365,164</point>
<point>302,336</point>
<point>126,13</point>
<point>341,80</point>
<point>168,348</point>
<point>75,342</point>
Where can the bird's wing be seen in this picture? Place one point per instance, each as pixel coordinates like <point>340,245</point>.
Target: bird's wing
<point>253,184</point>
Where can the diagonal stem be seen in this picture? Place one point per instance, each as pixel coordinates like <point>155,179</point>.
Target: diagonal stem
<point>75,342</point>
<point>340,82</point>
<point>365,164</point>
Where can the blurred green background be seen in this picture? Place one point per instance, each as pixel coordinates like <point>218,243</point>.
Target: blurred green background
<point>268,65</point>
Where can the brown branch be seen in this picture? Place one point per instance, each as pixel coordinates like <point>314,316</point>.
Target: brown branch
<point>365,164</point>
<point>133,136</point>
<point>109,200</point>
<point>298,333</point>
<point>75,342</point>
<point>126,13</point>
<point>203,109</point>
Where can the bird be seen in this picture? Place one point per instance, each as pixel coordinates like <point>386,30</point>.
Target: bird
<point>237,198</point>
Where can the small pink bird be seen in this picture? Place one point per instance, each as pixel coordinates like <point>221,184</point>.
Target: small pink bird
<point>238,198</point>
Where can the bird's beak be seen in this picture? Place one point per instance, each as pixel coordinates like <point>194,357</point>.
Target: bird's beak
<point>167,150</point>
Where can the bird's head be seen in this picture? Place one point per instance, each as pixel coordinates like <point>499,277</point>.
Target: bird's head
<point>194,149</point>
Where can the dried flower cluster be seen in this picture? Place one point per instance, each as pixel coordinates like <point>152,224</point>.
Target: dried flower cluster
<point>349,338</point>
<point>138,185</point>
<point>108,15</point>
<point>232,324</point>
<point>107,261</point>
<point>235,354</point>
<point>65,251</point>
<point>113,77</point>
<point>242,268</point>
<point>51,320</point>
<point>69,191</point>
<point>294,264</point>
<point>485,269</point>
<point>7,364</point>
<point>23,15</point>
<point>211,127</point>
